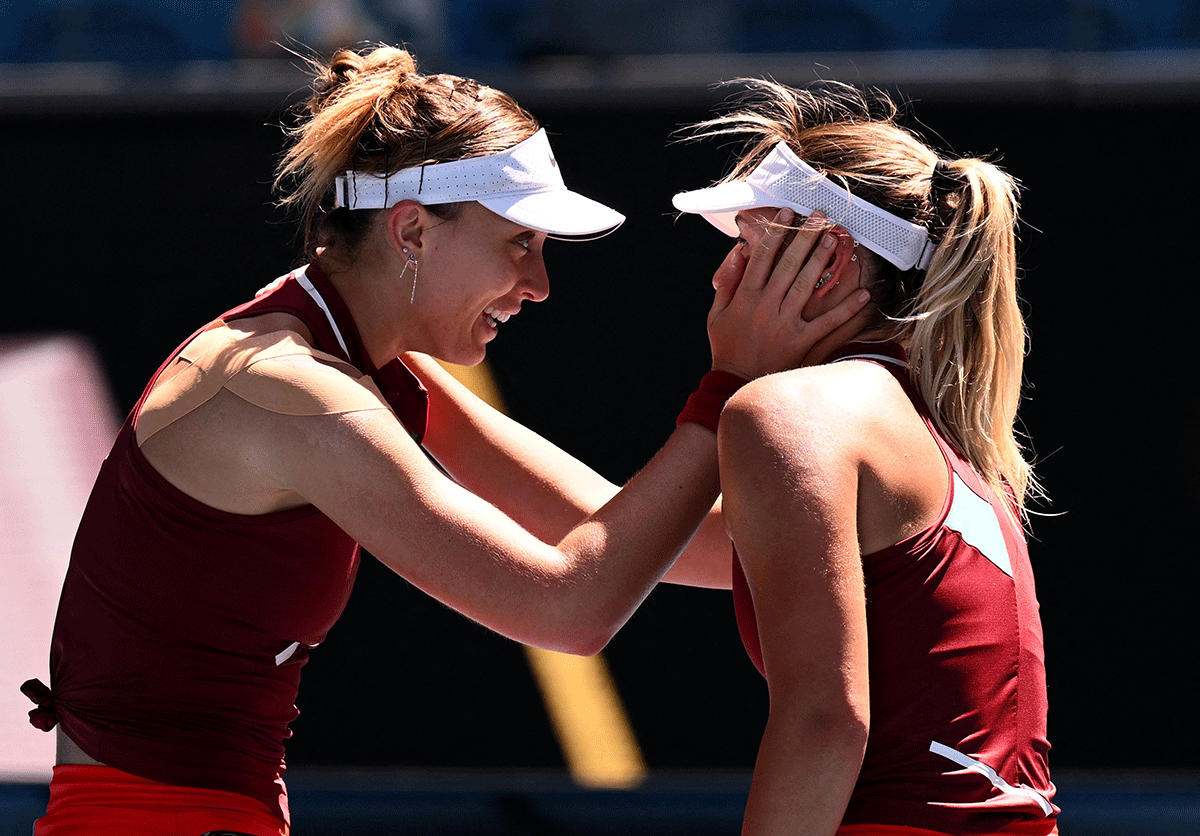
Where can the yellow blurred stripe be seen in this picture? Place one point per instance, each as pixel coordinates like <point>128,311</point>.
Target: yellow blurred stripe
<point>596,739</point>
<point>581,700</point>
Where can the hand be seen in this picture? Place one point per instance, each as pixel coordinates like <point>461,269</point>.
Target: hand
<point>755,324</point>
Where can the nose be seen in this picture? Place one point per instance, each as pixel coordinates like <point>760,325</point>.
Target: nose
<point>535,282</point>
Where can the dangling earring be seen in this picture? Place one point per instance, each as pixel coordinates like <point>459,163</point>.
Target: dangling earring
<point>415,265</point>
<point>854,256</point>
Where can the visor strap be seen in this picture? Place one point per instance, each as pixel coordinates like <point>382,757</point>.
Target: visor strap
<point>927,251</point>
<point>816,187</point>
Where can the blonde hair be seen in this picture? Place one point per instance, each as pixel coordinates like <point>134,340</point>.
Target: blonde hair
<point>962,320</point>
<point>371,111</point>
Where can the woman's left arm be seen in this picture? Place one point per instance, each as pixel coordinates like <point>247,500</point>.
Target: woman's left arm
<point>547,490</point>
<point>532,480</point>
<point>789,475</point>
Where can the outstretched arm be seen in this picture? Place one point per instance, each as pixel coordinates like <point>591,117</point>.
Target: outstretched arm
<point>549,492</point>
<point>545,489</point>
<point>568,592</point>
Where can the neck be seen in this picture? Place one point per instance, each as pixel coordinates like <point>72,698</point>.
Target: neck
<point>374,318</point>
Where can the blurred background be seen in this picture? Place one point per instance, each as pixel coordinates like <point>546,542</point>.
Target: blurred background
<point>138,141</point>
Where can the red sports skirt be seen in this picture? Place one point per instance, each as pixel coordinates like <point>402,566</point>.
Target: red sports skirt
<point>1036,828</point>
<point>100,801</point>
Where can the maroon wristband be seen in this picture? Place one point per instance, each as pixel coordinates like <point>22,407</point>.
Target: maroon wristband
<point>705,404</point>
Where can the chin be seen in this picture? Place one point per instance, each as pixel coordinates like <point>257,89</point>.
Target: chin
<point>468,357</point>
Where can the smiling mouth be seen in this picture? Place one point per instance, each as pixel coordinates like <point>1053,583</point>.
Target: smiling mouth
<point>496,316</point>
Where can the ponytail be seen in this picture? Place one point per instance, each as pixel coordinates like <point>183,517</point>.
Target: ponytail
<point>967,336</point>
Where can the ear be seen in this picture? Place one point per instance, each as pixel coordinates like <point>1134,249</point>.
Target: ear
<point>845,257</point>
<point>406,226</point>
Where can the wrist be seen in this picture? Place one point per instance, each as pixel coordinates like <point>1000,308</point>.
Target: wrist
<point>704,406</point>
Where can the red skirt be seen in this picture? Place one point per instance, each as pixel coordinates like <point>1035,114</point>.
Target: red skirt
<point>1037,828</point>
<point>100,801</point>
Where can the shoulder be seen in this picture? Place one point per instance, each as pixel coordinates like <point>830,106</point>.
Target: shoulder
<point>277,370</point>
<point>280,372</point>
<point>818,406</point>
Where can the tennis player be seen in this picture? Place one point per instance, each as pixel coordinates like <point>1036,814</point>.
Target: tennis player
<point>883,586</point>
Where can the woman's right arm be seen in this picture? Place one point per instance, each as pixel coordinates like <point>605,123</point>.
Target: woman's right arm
<point>364,472</point>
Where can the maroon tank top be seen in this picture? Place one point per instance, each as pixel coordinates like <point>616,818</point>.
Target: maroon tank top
<point>956,666</point>
<point>182,629</point>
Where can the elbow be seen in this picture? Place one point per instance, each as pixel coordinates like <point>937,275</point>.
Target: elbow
<point>853,729</point>
<point>582,645</point>
<point>845,730</point>
<point>581,637</point>
<point>838,725</point>
<point>572,643</point>
<point>580,632</point>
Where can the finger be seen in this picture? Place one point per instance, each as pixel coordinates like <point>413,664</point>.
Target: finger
<point>728,277</point>
<point>849,318</point>
<point>796,257</point>
<point>763,255</point>
<point>815,278</point>
<point>843,255</point>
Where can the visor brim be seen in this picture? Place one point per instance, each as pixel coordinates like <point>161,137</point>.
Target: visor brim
<point>557,212</point>
<point>720,204</point>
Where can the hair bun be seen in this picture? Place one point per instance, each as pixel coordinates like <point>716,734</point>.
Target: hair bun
<point>946,179</point>
<point>348,66</point>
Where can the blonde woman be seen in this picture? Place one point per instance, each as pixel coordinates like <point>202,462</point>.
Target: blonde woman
<point>882,582</point>
<point>221,540</point>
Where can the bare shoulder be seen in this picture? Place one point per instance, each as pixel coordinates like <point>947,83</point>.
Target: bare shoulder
<point>266,362</point>
<point>844,430</point>
<point>820,408</point>
<point>222,420</point>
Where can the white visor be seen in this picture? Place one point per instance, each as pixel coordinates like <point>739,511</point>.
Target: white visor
<point>522,183</point>
<point>783,179</point>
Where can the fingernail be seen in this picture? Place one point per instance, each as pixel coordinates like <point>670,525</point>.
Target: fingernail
<point>785,215</point>
<point>864,296</point>
<point>828,241</point>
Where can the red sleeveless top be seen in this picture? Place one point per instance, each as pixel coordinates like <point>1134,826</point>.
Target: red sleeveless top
<point>957,674</point>
<point>182,629</point>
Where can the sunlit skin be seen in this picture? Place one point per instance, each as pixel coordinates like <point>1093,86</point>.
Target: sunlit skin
<point>440,287</point>
<point>475,272</point>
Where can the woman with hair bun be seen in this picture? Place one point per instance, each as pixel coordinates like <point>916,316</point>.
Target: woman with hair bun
<point>221,539</point>
<point>882,583</point>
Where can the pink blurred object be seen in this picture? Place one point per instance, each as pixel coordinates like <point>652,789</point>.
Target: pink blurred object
<point>57,422</point>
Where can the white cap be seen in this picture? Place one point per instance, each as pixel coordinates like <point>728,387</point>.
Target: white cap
<point>522,183</point>
<point>783,179</point>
